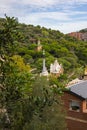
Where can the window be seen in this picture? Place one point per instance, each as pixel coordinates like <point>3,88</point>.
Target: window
<point>74,105</point>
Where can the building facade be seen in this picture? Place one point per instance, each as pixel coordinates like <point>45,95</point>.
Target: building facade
<point>79,35</point>
<point>75,103</point>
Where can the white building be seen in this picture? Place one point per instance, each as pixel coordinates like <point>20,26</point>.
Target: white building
<point>56,68</point>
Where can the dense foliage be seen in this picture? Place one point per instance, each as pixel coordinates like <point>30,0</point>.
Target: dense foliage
<point>27,101</point>
<point>69,51</point>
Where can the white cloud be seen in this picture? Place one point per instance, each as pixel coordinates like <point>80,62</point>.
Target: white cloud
<point>47,15</point>
<point>46,3</point>
<point>72,27</point>
<point>5,7</point>
<point>41,3</point>
<point>51,2</point>
<point>54,16</point>
<point>8,5</point>
<point>66,25</point>
<point>46,19</point>
<point>60,20</point>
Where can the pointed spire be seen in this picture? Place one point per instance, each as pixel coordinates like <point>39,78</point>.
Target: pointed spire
<point>39,46</point>
<point>44,69</point>
<point>38,43</point>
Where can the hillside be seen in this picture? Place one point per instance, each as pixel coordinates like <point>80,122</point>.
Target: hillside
<point>69,51</point>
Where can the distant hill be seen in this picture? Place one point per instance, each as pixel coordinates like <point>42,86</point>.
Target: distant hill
<point>69,51</point>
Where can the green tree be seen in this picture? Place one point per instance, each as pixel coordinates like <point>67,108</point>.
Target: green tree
<point>25,105</point>
<point>48,113</point>
<point>15,83</point>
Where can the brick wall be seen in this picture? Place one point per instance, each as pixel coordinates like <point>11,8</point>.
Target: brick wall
<point>75,120</point>
<point>79,36</point>
<point>75,125</point>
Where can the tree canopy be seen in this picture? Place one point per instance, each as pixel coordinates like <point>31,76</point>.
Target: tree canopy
<point>27,101</point>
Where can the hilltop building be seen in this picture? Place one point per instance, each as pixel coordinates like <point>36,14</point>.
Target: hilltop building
<point>39,46</point>
<point>84,36</point>
<point>56,69</point>
<point>79,35</point>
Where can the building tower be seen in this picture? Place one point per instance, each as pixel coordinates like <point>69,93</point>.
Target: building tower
<point>39,46</point>
<point>44,69</point>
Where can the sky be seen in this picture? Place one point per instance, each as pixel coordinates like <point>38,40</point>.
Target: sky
<point>63,15</point>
